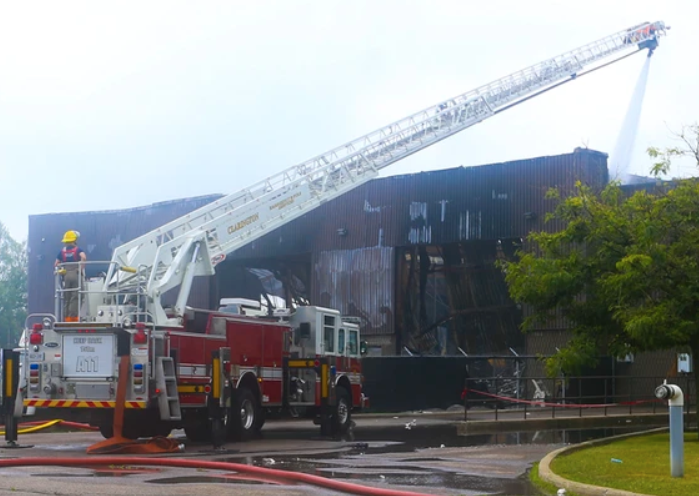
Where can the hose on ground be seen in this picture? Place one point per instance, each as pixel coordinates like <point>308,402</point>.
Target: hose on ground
<point>268,473</point>
<point>36,426</point>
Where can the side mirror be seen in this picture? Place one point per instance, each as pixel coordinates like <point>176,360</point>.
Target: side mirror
<point>363,348</point>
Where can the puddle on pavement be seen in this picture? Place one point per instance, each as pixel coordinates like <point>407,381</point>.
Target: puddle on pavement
<point>435,437</point>
<point>352,468</point>
<point>63,447</point>
<point>104,472</point>
<point>202,479</point>
<point>397,438</point>
<point>362,461</point>
<point>213,478</point>
<point>389,459</point>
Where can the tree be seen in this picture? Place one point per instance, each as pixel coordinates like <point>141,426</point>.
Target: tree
<point>13,289</point>
<point>624,270</point>
<point>688,147</point>
<point>564,272</point>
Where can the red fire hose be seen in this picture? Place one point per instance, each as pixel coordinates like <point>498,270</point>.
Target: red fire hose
<point>265,473</point>
<point>165,445</point>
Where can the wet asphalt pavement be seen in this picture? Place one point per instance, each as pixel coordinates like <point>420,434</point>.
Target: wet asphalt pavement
<point>426,457</point>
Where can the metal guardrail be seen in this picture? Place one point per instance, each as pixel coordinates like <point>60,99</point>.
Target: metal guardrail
<point>519,397</point>
<point>132,295</point>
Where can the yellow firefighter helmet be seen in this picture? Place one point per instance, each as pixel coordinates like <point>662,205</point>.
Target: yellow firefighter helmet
<point>70,237</point>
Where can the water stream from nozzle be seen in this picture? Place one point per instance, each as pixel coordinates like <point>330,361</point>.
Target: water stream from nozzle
<point>620,159</point>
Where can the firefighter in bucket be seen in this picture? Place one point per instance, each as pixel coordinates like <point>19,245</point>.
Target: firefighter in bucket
<point>68,265</point>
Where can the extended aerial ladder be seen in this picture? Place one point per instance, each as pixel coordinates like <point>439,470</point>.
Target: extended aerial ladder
<point>192,245</point>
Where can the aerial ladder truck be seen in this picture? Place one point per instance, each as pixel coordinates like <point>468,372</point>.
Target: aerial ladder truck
<point>196,370</point>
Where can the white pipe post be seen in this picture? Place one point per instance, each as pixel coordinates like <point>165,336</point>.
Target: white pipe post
<point>675,397</point>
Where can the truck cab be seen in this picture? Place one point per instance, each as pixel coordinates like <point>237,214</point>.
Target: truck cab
<point>317,333</point>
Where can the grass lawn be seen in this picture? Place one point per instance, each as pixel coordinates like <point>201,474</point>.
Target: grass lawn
<point>645,466</point>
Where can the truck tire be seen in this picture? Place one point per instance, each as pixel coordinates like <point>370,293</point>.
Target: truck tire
<point>342,412</point>
<point>244,417</point>
<point>260,421</point>
<point>107,431</point>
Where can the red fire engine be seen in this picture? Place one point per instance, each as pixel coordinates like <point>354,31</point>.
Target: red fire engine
<point>233,367</point>
<point>207,371</point>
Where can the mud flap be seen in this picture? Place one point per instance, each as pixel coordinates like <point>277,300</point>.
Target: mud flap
<point>9,401</point>
<point>220,396</point>
<point>327,401</point>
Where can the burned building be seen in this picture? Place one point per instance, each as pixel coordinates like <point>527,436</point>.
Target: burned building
<point>412,256</point>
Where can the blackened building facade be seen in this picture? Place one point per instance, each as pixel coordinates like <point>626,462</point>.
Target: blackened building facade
<point>413,256</point>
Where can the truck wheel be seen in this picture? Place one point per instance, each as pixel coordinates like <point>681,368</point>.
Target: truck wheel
<point>342,413</point>
<point>260,420</point>
<point>243,416</point>
<point>107,431</point>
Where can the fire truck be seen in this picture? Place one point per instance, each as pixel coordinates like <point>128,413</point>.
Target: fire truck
<point>220,373</point>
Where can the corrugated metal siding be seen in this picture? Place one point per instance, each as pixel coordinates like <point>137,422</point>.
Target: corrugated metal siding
<point>556,321</point>
<point>354,272</point>
<point>543,343</point>
<point>486,202</point>
<point>101,232</point>
<point>358,283</point>
<point>651,364</point>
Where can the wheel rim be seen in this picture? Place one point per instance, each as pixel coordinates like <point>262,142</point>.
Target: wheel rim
<point>342,411</point>
<point>247,414</point>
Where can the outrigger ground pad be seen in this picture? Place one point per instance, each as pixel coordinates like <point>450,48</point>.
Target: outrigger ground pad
<point>118,444</point>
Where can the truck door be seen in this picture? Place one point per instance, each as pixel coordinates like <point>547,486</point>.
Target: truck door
<point>343,363</point>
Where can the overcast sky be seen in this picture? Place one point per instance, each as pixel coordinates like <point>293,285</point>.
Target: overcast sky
<point>108,105</point>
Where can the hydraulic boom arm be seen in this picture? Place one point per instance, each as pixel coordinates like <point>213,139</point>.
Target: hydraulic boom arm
<point>175,253</point>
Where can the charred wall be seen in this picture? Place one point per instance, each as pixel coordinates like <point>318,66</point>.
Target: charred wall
<point>287,277</point>
<point>489,202</point>
<point>412,256</point>
<point>444,231</point>
<point>359,283</point>
<point>452,299</point>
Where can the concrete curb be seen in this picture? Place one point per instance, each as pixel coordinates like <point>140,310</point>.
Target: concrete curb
<point>547,474</point>
<point>456,415</point>
<point>649,420</point>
